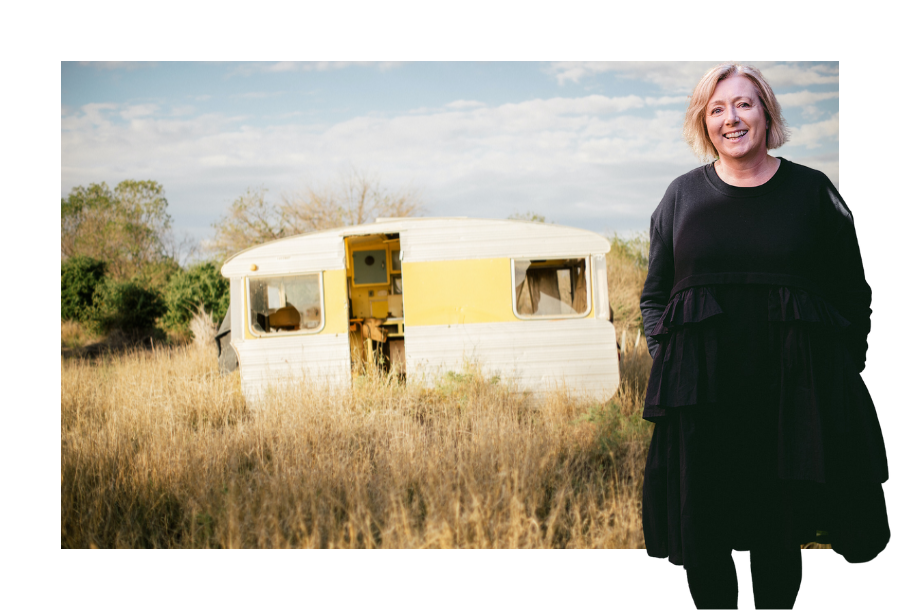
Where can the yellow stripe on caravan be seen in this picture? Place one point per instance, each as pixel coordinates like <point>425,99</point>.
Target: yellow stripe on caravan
<point>334,282</point>
<point>457,292</point>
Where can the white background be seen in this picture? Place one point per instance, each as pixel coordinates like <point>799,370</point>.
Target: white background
<point>38,573</point>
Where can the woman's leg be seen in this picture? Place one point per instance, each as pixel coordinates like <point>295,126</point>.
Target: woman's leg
<point>777,572</point>
<point>714,585</point>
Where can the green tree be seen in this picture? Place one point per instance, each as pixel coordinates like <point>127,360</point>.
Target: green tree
<point>80,276</point>
<point>127,227</point>
<point>188,290</point>
<point>127,305</point>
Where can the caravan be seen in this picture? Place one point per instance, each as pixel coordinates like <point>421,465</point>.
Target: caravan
<point>422,296</point>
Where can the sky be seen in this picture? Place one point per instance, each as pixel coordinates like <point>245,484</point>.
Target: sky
<point>585,144</point>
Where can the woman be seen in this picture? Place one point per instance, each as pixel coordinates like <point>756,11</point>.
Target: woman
<point>757,312</point>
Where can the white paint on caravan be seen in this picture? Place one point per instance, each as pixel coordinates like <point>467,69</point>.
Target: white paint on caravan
<point>538,354</point>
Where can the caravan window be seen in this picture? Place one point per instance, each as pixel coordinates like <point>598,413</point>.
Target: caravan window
<point>285,304</point>
<point>550,288</point>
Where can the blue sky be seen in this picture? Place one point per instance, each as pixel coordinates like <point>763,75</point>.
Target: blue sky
<point>587,144</point>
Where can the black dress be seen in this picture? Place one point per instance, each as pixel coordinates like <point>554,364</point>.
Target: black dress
<point>757,310</point>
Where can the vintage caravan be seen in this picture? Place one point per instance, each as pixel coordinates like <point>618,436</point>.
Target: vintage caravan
<point>423,296</point>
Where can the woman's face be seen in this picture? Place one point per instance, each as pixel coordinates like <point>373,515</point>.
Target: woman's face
<point>736,120</point>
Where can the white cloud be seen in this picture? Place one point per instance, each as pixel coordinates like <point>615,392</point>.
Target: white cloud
<point>812,113</point>
<point>798,75</point>
<point>138,110</point>
<point>667,100</point>
<point>91,115</point>
<point>257,95</point>
<point>671,76</point>
<point>805,98</point>
<point>611,156</point>
<point>681,76</point>
<point>183,110</point>
<point>118,65</point>
<point>308,66</point>
<point>465,104</point>
<point>814,135</point>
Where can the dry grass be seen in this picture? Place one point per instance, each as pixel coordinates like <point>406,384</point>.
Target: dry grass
<point>626,271</point>
<point>158,450</point>
<point>74,335</point>
<point>203,330</point>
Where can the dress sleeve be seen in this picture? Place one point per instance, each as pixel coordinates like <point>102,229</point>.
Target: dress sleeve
<point>854,296</point>
<point>660,278</point>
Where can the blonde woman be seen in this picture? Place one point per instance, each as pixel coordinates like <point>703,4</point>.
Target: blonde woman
<point>757,312</point>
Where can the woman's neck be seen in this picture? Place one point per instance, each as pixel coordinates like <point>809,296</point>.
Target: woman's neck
<point>752,174</point>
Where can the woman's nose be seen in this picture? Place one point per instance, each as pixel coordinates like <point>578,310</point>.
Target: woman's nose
<point>731,116</point>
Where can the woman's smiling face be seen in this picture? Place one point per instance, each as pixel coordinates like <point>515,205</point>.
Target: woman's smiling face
<point>736,120</point>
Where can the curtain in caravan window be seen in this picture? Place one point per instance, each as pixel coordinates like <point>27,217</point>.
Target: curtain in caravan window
<point>524,304</point>
<point>544,287</point>
<point>579,304</point>
<point>551,287</point>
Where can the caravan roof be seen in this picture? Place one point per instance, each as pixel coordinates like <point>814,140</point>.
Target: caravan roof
<point>423,239</point>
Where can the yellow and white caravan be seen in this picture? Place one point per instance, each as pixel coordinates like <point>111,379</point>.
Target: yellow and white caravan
<point>524,300</point>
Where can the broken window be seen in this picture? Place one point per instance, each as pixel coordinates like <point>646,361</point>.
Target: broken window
<point>288,303</point>
<point>551,288</point>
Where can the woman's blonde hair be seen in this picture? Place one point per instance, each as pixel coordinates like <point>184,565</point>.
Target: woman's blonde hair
<point>695,132</point>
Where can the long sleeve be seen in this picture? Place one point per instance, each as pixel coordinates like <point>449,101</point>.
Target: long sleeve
<point>660,278</point>
<point>853,296</point>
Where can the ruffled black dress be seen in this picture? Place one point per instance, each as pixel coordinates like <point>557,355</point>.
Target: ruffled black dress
<point>757,311</point>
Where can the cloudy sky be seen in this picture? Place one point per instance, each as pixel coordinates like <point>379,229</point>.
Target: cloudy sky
<point>587,144</point>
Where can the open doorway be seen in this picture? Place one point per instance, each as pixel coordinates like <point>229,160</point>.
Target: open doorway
<point>375,297</point>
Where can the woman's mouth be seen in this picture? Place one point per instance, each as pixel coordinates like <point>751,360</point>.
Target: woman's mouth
<point>735,135</point>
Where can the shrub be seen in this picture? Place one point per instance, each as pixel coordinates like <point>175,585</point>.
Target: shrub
<point>80,276</point>
<point>626,271</point>
<point>128,306</point>
<point>188,290</point>
<point>635,249</point>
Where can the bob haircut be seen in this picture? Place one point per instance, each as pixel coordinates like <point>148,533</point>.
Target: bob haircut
<point>695,132</point>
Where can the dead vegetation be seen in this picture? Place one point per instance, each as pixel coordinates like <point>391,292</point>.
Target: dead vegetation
<point>158,450</point>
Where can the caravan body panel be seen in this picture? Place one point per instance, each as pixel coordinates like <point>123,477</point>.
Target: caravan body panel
<point>540,356</point>
<point>458,294</point>
<point>317,358</point>
<point>310,360</point>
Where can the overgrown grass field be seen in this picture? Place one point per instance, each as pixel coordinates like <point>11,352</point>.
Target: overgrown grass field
<point>158,450</point>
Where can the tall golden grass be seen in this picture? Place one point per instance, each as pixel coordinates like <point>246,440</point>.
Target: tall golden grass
<point>158,450</point>
<point>73,334</point>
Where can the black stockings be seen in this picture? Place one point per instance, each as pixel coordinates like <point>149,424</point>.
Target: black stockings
<point>776,576</point>
<point>776,580</point>
<point>714,585</point>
